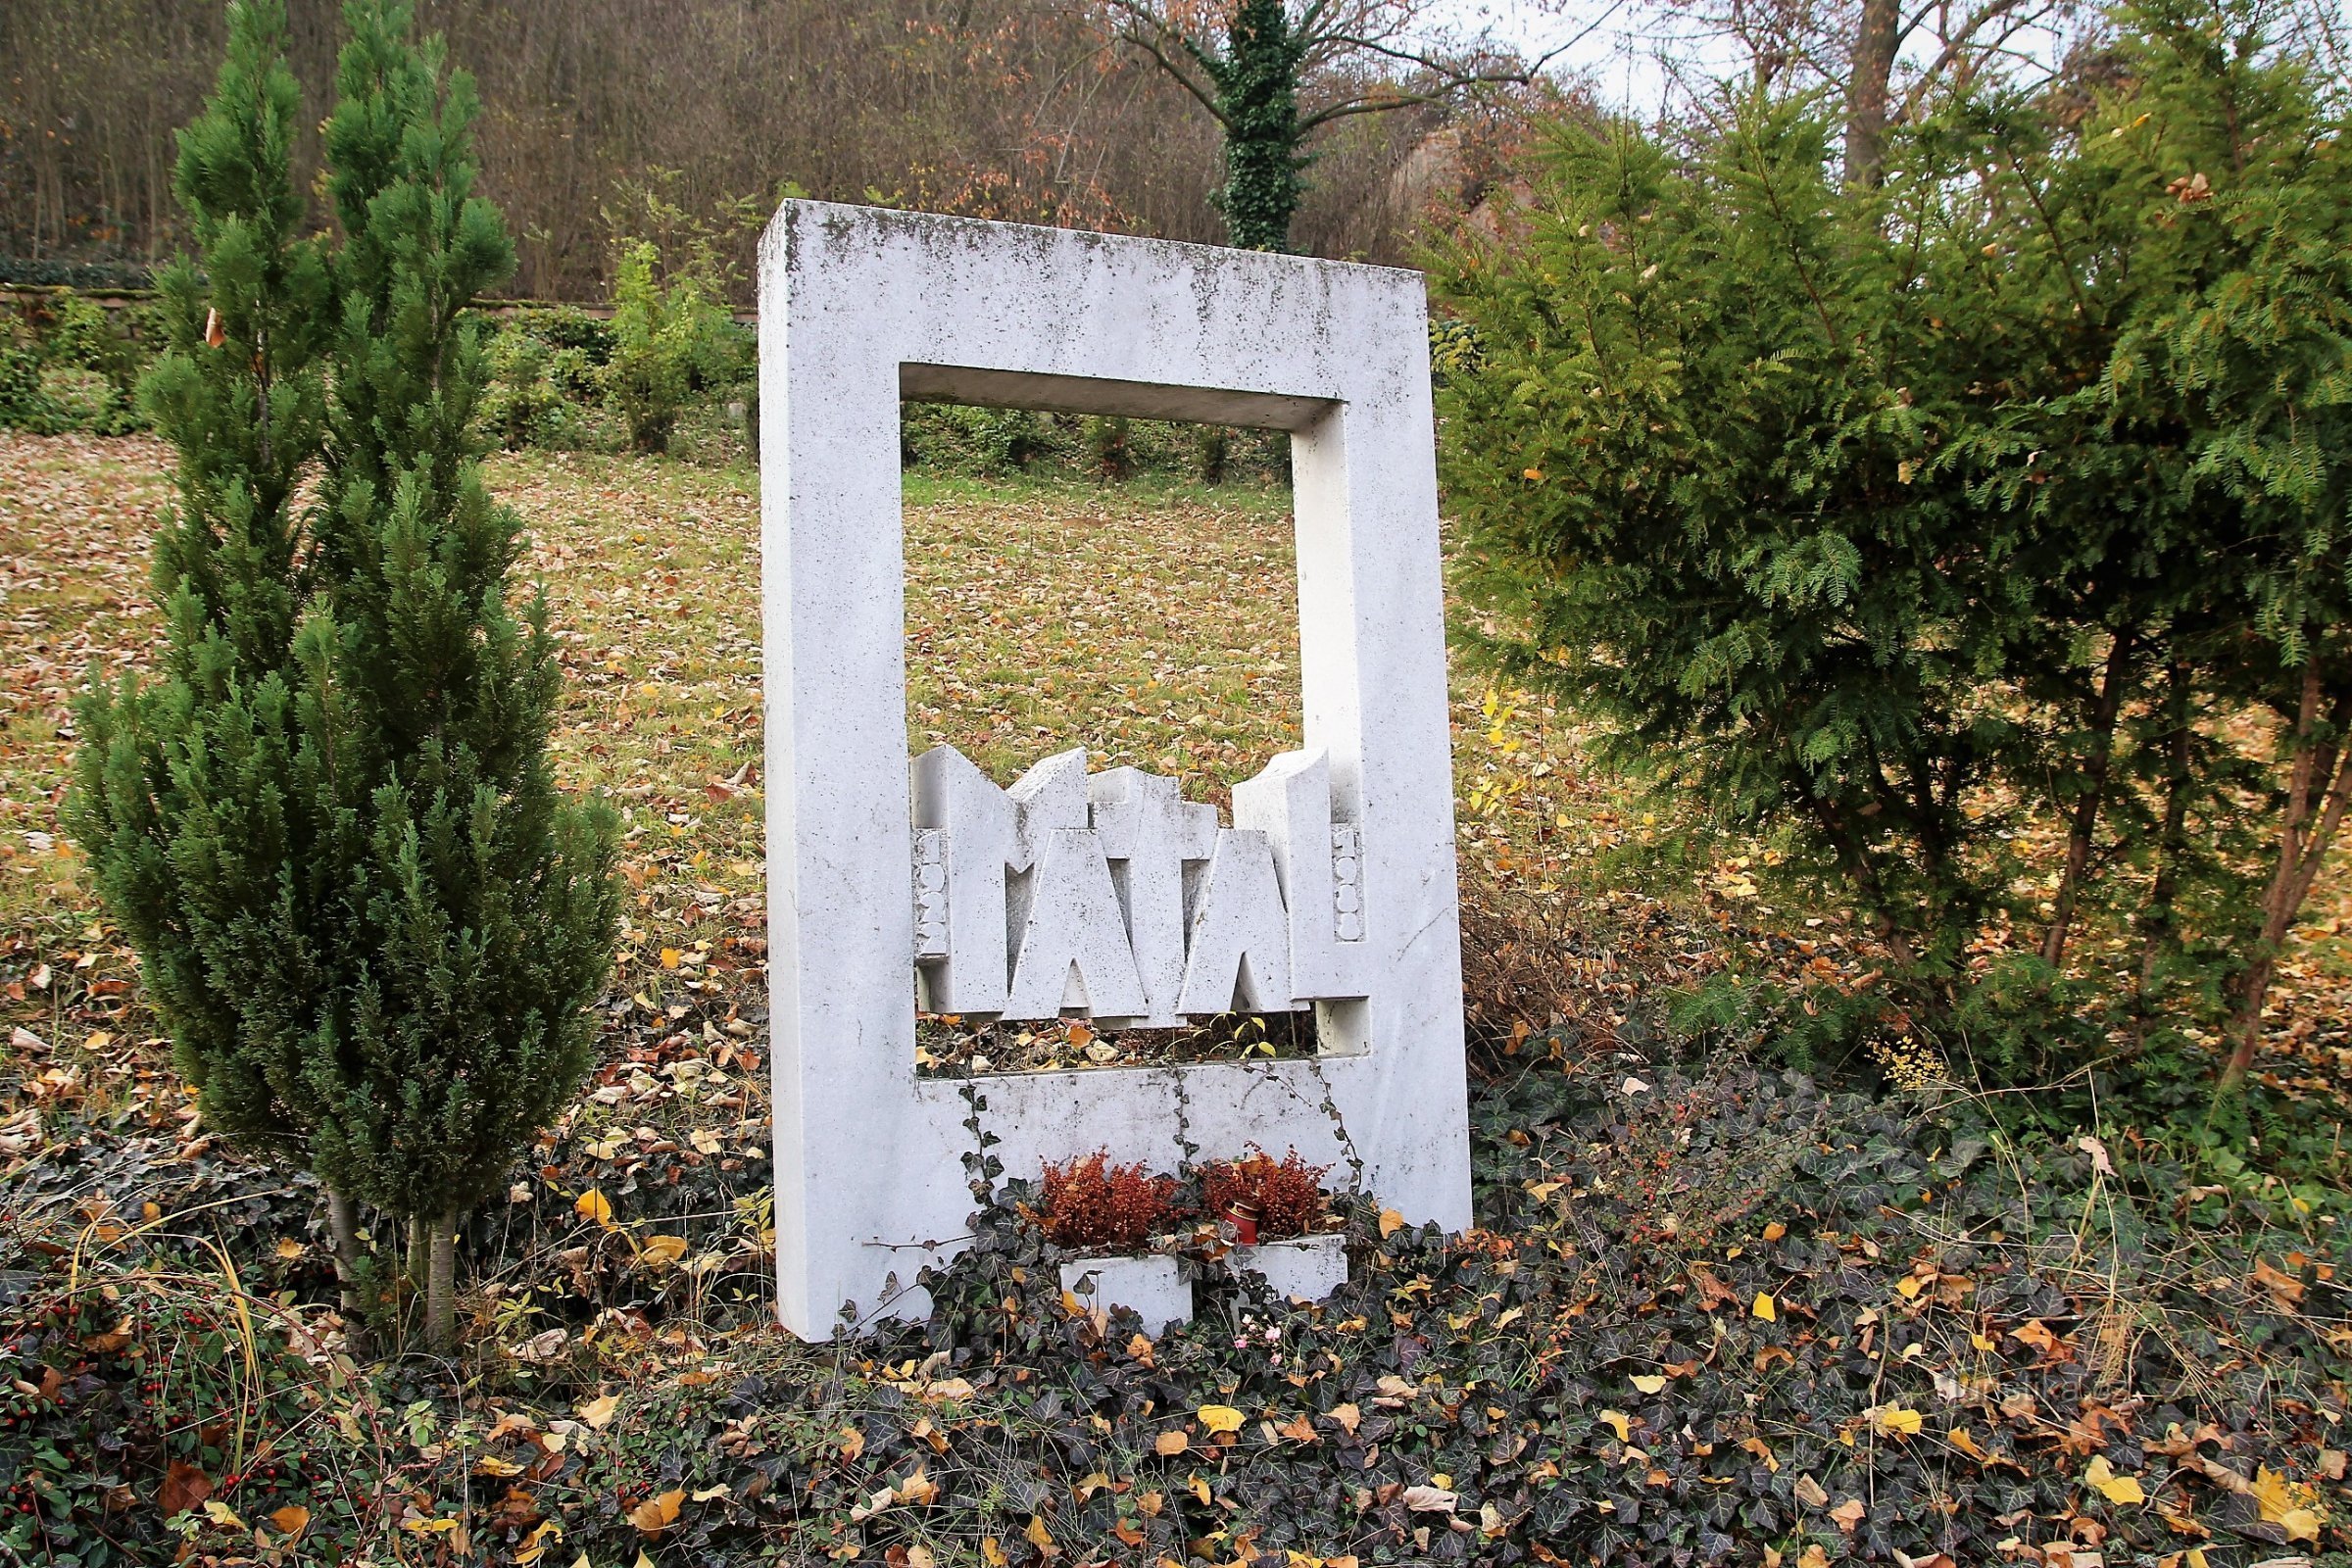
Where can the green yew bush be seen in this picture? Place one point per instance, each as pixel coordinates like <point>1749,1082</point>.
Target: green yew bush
<point>1902,522</point>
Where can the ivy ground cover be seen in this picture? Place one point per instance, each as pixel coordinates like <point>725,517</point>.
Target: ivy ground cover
<point>1712,1314</point>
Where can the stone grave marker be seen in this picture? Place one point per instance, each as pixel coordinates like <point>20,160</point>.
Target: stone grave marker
<point>1106,894</point>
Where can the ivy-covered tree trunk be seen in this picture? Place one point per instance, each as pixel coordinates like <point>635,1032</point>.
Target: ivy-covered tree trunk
<point>480,903</point>
<point>1257,81</point>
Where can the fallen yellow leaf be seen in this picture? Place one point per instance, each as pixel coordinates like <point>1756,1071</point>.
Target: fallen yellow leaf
<point>662,1250</point>
<point>1171,1442</point>
<point>2101,1478</point>
<point>1893,1420</point>
<point>1622,1423</point>
<point>595,1205</point>
<point>1649,1382</point>
<point>1765,1307</point>
<point>1391,1222</point>
<point>1221,1417</point>
<point>289,1520</point>
<point>656,1515</point>
<point>597,1412</point>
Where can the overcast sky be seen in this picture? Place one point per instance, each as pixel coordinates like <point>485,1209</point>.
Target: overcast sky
<point>1619,44</point>
<point>1622,46</point>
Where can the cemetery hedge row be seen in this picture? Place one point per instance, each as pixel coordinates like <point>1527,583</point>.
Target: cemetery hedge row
<point>669,371</point>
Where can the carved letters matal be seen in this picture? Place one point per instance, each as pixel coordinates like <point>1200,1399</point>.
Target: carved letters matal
<point>1114,897</point>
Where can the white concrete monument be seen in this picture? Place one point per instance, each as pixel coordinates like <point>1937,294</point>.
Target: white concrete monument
<point>1106,896</point>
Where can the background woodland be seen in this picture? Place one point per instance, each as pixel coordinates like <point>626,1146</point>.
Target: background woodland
<point>1007,109</point>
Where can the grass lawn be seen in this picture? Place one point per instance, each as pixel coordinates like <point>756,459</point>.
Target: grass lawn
<point>1714,1315</point>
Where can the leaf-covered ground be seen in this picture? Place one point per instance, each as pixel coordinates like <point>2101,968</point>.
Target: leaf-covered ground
<point>1713,1315</point>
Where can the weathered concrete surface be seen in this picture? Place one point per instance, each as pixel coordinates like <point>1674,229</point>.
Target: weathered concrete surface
<point>859,306</point>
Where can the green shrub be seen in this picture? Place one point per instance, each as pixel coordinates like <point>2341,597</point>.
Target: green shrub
<point>85,335</point>
<point>364,910</point>
<point>24,402</point>
<point>528,402</point>
<point>1982,524</point>
<point>961,438</point>
<point>671,340</point>
<point>80,372</point>
<point>1108,451</point>
<point>1212,451</point>
<point>569,328</point>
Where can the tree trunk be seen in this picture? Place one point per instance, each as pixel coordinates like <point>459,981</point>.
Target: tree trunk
<point>441,1288</point>
<point>2171,842</point>
<point>342,1219</point>
<point>2318,783</point>
<point>1875,39</point>
<point>2106,707</point>
<point>412,1272</point>
<point>1847,846</point>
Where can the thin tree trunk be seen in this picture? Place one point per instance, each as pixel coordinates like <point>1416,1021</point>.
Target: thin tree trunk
<point>419,1262</point>
<point>2171,842</point>
<point>441,1287</point>
<point>2083,831</point>
<point>1856,859</point>
<point>342,1219</point>
<point>2318,783</point>
<point>1875,39</point>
